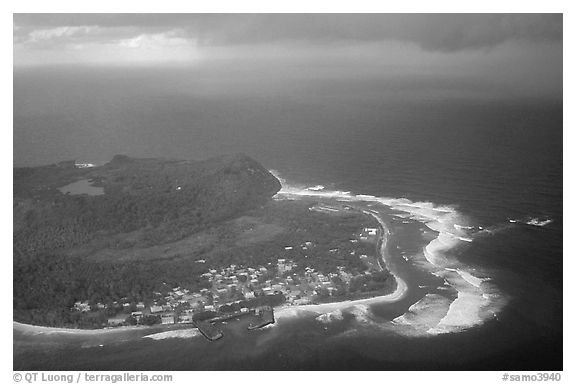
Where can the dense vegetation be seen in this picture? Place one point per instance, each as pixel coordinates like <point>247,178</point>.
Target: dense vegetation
<point>329,234</point>
<point>70,248</point>
<point>168,200</point>
<point>46,286</point>
<point>160,200</point>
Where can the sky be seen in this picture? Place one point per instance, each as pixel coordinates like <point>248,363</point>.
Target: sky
<point>517,53</point>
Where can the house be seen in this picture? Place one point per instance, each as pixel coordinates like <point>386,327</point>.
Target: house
<point>82,306</point>
<point>185,318</point>
<point>140,305</point>
<point>137,315</point>
<point>167,318</point>
<point>371,231</point>
<point>268,291</point>
<point>209,308</point>
<point>115,321</point>
<point>156,309</point>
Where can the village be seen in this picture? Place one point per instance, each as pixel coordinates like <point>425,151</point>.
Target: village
<point>240,289</point>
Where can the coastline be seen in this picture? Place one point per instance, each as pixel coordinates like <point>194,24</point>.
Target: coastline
<point>280,312</point>
<point>477,299</point>
<point>29,329</point>
<point>401,286</point>
<point>398,294</point>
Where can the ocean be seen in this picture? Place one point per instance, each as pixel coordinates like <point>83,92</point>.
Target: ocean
<point>483,170</point>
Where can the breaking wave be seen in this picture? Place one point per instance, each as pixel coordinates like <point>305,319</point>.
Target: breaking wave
<point>330,316</point>
<point>363,314</point>
<point>535,221</point>
<point>469,301</point>
<point>423,315</point>
<point>539,222</point>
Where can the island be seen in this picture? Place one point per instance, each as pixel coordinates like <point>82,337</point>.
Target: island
<point>163,241</point>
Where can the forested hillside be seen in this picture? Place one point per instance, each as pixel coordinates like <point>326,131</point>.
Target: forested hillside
<point>145,202</point>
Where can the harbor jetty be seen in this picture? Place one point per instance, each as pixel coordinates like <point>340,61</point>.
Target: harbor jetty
<point>262,317</point>
<point>208,330</point>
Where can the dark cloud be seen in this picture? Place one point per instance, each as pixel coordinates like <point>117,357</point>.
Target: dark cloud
<point>432,32</point>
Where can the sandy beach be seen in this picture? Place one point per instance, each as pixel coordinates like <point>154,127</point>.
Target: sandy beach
<point>398,294</point>
<point>28,329</point>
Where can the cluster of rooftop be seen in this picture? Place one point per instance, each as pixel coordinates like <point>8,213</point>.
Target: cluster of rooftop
<point>236,285</point>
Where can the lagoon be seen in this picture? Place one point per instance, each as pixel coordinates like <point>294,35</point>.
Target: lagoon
<point>82,187</point>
